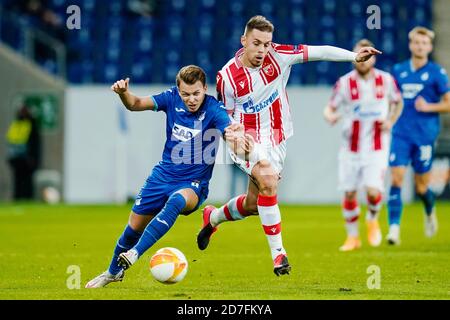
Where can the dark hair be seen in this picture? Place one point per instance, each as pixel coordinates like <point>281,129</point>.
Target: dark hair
<point>259,23</point>
<point>190,75</point>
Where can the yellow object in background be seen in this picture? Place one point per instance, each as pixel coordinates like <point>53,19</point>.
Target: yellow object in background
<point>19,132</point>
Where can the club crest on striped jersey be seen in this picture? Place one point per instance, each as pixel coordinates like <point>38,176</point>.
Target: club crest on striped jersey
<point>269,69</point>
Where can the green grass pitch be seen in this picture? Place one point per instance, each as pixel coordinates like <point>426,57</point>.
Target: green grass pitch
<point>41,242</point>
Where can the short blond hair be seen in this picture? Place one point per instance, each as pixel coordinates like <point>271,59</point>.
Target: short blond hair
<point>259,23</point>
<point>190,75</point>
<point>422,31</point>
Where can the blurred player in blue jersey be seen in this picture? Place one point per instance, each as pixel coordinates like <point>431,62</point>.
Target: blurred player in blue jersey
<point>179,183</point>
<point>425,91</point>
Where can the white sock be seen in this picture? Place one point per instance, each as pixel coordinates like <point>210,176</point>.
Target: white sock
<point>350,211</point>
<point>270,216</point>
<point>231,211</point>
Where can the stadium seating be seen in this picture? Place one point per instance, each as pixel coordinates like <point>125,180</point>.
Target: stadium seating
<point>115,42</point>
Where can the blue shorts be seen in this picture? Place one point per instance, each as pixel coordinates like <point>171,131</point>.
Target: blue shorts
<point>404,150</point>
<point>155,192</point>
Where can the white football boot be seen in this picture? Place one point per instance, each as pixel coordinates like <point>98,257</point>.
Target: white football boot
<point>127,259</point>
<point>431,224</point>
<point>393,236</point>
<point>104,279</point>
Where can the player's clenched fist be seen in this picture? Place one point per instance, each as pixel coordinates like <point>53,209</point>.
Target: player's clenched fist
<point>120,86</point>
<point>240,142</point>
<point>365,53</point>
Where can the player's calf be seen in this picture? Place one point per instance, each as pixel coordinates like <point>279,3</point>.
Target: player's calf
<point>374,203</point>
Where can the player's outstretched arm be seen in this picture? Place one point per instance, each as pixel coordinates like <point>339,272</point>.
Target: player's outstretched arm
<point>330,53</point>
<point>129,100</point>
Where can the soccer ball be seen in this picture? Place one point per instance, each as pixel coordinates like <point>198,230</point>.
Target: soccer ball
<point>168,265</point>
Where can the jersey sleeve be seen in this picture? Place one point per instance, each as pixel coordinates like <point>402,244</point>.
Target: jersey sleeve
<point>394,94</point>
<point>290,54</point>
<point>330,53</point>
<point>225,92</point>
<point>163,100</point>
<point>338,96</point>
<point>442,82</point>
<point>222,119</point>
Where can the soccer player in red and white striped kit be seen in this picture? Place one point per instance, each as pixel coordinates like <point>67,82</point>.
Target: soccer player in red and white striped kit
<point>252,86</point>
<point>368,103</point>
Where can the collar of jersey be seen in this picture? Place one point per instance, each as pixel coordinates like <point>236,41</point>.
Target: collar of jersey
<point>411,66</point>
<point>373,74</point>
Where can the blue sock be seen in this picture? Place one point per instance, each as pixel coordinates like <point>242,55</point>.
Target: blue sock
<point>428,200</point>
<point>126,241</point>
<point>161,223</point>
<point>395,205</point>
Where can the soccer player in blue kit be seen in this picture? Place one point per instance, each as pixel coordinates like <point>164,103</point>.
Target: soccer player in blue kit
<point>425,91</point>
<point>179,183</point>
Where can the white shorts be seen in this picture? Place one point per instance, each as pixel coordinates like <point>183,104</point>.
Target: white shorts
<point>355,173</point>
<point>275,155</point>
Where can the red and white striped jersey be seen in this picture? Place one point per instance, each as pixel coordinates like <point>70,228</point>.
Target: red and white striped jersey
<point>256,97</point>
<point>364,104</point>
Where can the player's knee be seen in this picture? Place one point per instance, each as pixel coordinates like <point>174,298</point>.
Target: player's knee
<point>373,195</point>
<point>268,185</point>
<point>266,177</point>
<point>262,168</point>
<point>350,196</point>
<point>397,180</point>
<point>421,188</point>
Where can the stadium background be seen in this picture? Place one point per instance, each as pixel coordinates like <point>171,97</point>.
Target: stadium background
<point>95,152</point>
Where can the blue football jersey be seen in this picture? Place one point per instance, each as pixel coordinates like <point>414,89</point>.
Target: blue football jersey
<point>430,82</point>
<point>192,138</point>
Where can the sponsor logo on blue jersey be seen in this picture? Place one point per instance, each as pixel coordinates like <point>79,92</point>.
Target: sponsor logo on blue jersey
<point>411,90</point>
<point>183,133</point>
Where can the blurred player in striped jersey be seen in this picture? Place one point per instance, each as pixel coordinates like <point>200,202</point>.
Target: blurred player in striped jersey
<point>252,86</point>
<point>426,94</point>
<point>369,103</point>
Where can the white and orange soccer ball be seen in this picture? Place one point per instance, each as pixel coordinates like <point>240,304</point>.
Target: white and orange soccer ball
<point>168,265</point>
